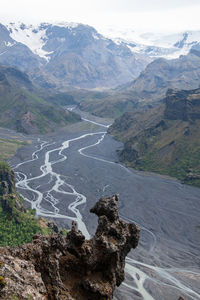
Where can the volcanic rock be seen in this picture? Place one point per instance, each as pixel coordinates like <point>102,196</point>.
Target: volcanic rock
<point>71,267</point>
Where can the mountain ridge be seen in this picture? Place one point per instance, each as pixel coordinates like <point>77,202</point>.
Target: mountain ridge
<point>164,139</point>
<point>23,109</point>
<point>150,87</point>
<point>67,57</point>
<point>155,44</point>
<point>73,55</point>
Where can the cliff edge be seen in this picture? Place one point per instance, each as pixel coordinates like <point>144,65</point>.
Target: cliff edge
<point>164,139</point>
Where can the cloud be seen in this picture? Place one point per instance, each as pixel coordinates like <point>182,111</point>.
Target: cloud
<point>174,20</point>
<point>146,15</point>
<point>51,7</point>
<point>152,5</point>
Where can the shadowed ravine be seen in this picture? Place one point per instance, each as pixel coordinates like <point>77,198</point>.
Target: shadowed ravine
<point>65,175</point>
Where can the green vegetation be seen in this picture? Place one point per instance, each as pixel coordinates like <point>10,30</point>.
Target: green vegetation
<point>32,114</point>
<point>185,167</point>
<point>63,99</point>
<point>18,228</point>
<point>17,225</point>
<point>4,167</point>
<point>109,106</point>
<point>8,147</point>
<point>23,109</point>
<point>167,152</point>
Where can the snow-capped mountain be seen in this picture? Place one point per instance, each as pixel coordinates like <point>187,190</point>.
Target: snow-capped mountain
<point>14,53</point>
<point>35,37</point>
<point>155,45</point>
<point>68,55</point>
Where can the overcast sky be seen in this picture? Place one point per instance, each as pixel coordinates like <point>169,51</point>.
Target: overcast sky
<point>146,15</point>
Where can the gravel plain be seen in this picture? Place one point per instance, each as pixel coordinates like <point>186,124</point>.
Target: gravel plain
<point>166,263</point>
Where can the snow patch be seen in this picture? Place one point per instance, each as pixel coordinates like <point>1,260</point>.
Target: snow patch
<point>95,36</point>
<point>62,40</point>
<point>33,37</point>
<point>9,44</point>
<point>155,52</point>
<point>3,53</point>
<point>66,24</point>
<point>162,44</point>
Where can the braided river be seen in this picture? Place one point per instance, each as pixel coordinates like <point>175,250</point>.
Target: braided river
<point>62,175</point>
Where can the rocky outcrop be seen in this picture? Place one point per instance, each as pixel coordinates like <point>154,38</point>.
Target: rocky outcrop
<point>71,267</point>
<point>9,199</point>
<point>7,179</point>
<point>182,105</point>
<point>21,280</point>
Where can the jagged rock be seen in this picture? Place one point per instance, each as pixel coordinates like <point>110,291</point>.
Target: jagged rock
<point>71,267</point>
<point>7,179</point>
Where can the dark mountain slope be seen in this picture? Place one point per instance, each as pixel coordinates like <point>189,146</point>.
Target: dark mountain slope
<point>21,109</point>
<point>83,58</point>
<point>165,139</point>
<point>161,74</point>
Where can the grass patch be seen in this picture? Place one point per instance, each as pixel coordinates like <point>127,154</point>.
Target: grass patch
<point>17,230</point>
<point>17,225</point>
<point>155,144</point>
<point>184,165</point>
<point>8,147</point>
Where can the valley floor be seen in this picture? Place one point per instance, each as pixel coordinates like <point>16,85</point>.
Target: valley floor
<point>63,174</point>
